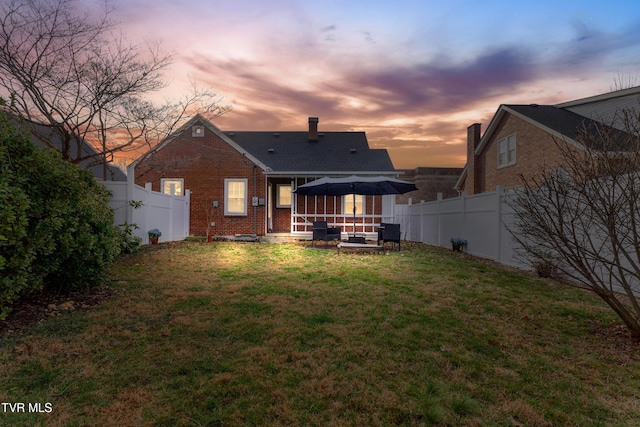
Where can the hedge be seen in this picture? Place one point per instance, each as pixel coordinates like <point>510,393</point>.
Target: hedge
<point>56,226</point>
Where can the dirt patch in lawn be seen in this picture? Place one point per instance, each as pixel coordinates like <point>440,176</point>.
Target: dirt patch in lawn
<point>37,307</point>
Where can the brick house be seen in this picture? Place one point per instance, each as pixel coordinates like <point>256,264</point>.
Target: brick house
<point>242,183</point>
<point>430,181</point>
<point>521,139</point>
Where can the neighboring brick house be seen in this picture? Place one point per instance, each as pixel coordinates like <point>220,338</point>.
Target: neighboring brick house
<point>521,139</point>
<point>430,181</point>
<point>241,182</point>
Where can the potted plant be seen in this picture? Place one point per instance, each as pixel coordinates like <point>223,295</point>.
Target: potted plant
<point>545,264</point>
<point>154,234</point>
<point>458,244</point>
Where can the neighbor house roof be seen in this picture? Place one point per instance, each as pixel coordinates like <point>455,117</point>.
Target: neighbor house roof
<point>607,107</point>
<point>45,132</point>
<point>566,124</point>
<point>114,173</point>
<point>292,152</point>
<point>558,121</point>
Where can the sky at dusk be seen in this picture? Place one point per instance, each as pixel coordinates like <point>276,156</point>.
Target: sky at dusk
<point>412,74</point>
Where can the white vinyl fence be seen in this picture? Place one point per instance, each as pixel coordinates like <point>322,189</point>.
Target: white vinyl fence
<point>481,219</point>
<point>169,214</point>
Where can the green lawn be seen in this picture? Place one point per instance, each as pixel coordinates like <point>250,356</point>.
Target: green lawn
<point>256,334</point>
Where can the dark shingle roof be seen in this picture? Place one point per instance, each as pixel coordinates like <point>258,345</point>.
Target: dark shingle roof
<point>334,151</point>
<point>571,125</point>
<point>558,119</point>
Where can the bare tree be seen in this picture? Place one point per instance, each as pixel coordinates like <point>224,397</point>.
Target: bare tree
<point>70,71</point>
<point>624,81</point>
<point>581,217</point>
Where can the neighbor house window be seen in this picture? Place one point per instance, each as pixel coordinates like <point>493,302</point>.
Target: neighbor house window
<point>178,185</point>
<point>197,131</point>
<point>283,196</point>
<point>507,151</point>
<point>235,196</point>
<point>348,204</point>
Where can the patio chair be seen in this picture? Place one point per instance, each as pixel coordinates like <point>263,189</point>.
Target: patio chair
<point>321,231</point>
<point>389,233</point>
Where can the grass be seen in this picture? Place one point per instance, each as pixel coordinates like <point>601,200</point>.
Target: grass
<point>255,334</point>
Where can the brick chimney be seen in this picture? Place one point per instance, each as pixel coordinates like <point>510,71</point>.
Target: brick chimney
<point>313,129</point>
<point>472,185</point>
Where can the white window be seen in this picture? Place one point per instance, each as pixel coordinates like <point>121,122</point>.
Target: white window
<point>178,185</point>
<point>507,151</point>
<point>348,204</point>
<point>283,196</point>
<point>197,131</point>
<point>235,196</point>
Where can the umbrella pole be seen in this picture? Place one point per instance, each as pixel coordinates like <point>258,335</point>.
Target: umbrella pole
<point>354,214</point>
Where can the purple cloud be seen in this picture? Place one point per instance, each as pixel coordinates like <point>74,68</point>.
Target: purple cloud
<point>444,87</point>
<point>591,46</point>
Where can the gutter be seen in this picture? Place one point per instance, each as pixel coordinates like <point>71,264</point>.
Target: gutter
<point>332,173</point>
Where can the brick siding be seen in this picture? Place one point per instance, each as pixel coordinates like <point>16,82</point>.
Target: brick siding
<point>535,150</point>
<point>204,163</point>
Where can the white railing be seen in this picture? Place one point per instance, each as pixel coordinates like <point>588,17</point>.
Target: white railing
<point>326,208</point>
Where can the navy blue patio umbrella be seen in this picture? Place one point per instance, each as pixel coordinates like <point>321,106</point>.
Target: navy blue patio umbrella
<point>364,185</point>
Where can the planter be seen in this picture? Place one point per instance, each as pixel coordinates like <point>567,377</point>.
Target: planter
<point>457,247</point>
<point>153,240</point>
<point>545,270</point>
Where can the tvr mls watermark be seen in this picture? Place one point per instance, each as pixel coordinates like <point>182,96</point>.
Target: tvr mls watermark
<point>27,407</point>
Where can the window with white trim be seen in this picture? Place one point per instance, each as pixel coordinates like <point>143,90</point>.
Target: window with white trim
<point>348,204</point>
<point>507,151</point>
<point>178,184</point>
<point>283,196</point>
<point>235,196</point>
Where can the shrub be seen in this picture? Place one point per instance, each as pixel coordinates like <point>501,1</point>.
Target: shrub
<point>129,242</point>
<point>56,226</point>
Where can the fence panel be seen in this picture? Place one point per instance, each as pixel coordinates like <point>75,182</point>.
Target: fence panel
<point>167,213</point>
<point>118,201</point>
<point>481,219</point>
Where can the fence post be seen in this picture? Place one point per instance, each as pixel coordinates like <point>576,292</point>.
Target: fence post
<point>172,191</point>
<point>421,219</point>
<point>439,218</point>
<point>499,195</point>
<point>464,215</point>
<point>130,183</point>
<point>147,210</point>
<point>186,213</point>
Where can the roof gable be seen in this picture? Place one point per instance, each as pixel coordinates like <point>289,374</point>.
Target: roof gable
<point>201,120</point>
